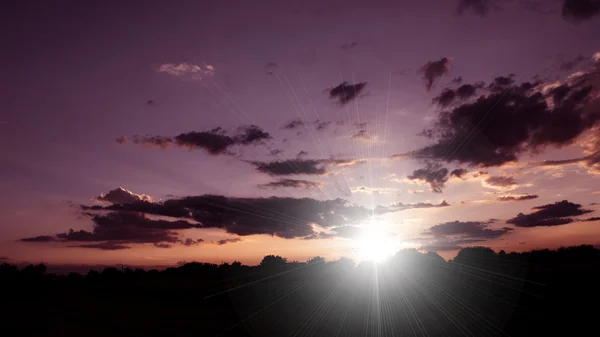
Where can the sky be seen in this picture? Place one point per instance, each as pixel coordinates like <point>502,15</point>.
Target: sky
<point>157,132</point>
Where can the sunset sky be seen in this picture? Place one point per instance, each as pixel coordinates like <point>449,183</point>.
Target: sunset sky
<point>163,131</point>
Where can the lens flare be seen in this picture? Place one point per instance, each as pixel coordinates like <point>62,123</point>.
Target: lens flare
<point>374,245</point>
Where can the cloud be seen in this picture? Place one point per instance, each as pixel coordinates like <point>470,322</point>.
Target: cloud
<point>571,64</point>
<point>292,183</point>
<point>459,172</point>
<point>348,46</point>
<point>122,196</point>
<point>448,95</point>
<point>301,166</point>
<point>501,182</point>
<point>122,139</point>
<point>296,123</point>
<point>580,10</point>
<point>186,70</point>
<point>121,227</point>
<point>162,245</point>
<point>344,93</point>
<point>592,219</point>
<point>472,230</point>
<point>226,241</point>
<point>103,246</point>
<point>433,70</point>
<point>4,258</point>
<point>521,197</point>
<point>214,141</point>
<point>556,214</point>
<point>480,7</point>
<point>457,80</point>
<point>301,154</point>
<point>41,238</point>
<point>402,207</point>
<point>275,152</point>
<point>511,120</point>
<point>361,135</point>
<point>270,68</point>
<point>191,242</point>
<point>435,175</point>
<point>320,126</point>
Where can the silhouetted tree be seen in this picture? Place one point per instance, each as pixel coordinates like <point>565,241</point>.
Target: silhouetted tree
<point>273,261</point>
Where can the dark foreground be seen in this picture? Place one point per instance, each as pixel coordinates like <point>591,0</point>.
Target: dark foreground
<point>480,293</point>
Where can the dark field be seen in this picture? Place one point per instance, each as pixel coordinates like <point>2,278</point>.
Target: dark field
<point>480,293</point>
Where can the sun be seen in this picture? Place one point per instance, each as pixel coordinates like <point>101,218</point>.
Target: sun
<point>374,245</point>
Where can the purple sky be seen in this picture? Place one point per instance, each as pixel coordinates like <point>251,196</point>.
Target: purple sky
<point>79,75</point>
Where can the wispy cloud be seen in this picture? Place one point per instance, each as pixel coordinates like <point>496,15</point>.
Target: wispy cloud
<point>187,70</point>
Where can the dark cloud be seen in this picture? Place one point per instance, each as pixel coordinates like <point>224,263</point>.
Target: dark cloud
<point>580,10</point>
<point>103,246</point>
<point>270,68</point>
<point>279,216</point>
<point>401,207</point>
<point>445,98</point>
<point>296,123</point>
<point>496,129</point>
<point>320,126</point>
<point>361,135</point>
<point>500,181</point>
<point>275,152</point>
<point>459,172</point>
<point>214,141</point>
<point>122,196</point>
<point>344,93</point>
<point>251,134</point>
<point>292,183</point>
<point>448,95</point>
<point>480,7</point>
<point>41,238</point>
<point>457,80</point>
<point>347,46</point>
<point>435,175</point>
<point>226,241</point>
<point>121,227</point>
<point>522,197</point>
<point>191,242</point>
<point>433,70</point>
<point>571,64</point>
<point>472,230</point>
<point>301,166</point>
<point>301,154</point>
<point>4,258</point>
<point>556,214</point>
<point>592,219</point>
<point>162,245</point>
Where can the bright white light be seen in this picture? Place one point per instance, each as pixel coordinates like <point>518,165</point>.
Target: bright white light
<point>374,245</point>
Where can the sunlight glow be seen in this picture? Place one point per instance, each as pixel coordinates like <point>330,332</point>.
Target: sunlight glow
<point>375,245</point>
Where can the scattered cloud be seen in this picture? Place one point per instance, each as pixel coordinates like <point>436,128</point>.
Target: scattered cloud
<point>321,126</point>
<point>293,124</point>
<point>362,135</point>
<point>292,183</point>
<point>572,63</point>
<point>580,10</point>
<point>187,70</point>
<point>559,213</point>
<point>433,70</point>
<point>348,46</point>
<point>226,241</point>
<point>451,235</point>
<point>536,120</point>
<point>517,197</point>
<point>501,182</point>
<point>122,139</point>
<point>301,154</point>
<point>214,141</point>
<point>41,238</point>
<point>301,166</point>
<point>122,196</point>
<point>448,95</point>
<point>344,93</point>
<point>434,174</point>
<point>402,207</point>
<point>103,246</point>
<point>479,7</point>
